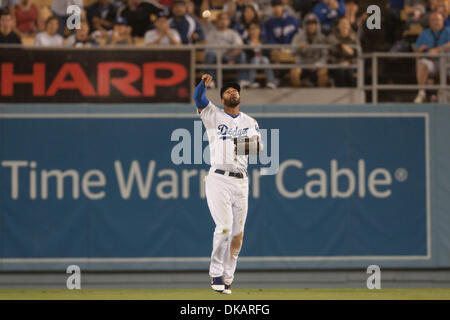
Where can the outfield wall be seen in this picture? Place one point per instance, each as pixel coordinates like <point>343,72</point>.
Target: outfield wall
<point>97,186</point>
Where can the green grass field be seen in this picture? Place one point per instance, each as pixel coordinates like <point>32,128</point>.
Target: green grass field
<point>238,294</point>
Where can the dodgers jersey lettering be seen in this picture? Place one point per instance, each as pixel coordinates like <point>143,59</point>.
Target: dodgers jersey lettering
<point>222,128</point>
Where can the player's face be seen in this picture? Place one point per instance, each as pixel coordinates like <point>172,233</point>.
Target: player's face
<point>231,98</point>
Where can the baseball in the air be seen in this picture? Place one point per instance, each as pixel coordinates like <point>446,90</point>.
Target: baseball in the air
<point>206,14</point>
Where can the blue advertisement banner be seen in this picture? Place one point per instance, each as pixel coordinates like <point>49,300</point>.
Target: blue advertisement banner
<point>347,186</point>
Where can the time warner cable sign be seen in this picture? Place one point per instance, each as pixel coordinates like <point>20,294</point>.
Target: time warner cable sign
<point>346,186</point>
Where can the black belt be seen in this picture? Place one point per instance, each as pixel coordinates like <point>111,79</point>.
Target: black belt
<point>231,174</point>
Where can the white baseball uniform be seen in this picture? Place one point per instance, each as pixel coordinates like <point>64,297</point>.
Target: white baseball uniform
<point>227,196</point>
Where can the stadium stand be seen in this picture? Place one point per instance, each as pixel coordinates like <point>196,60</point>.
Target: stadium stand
<point>401,70</point>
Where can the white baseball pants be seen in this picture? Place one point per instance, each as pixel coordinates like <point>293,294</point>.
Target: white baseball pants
<point>227,199</point>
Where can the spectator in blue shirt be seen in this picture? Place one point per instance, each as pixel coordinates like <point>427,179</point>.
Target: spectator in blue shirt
<point>329,12</point>
<point>281,27</point>
<point>434,40</point>
<point>187,26</point>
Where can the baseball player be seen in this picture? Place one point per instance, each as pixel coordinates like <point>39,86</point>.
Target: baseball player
<point>232,136</point>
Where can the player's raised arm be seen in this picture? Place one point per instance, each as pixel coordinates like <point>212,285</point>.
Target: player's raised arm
<point>200,93</point>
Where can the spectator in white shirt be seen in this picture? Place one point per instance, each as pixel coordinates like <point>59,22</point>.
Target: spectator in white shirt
<point>49,37</point>
<point>162,35</point>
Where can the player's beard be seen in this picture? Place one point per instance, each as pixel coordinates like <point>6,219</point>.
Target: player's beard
<point>233,102</point>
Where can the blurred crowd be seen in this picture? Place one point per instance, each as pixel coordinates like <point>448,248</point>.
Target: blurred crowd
<point>333,27</point>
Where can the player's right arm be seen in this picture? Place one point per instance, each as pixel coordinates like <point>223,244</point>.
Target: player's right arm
<point>200,93</point>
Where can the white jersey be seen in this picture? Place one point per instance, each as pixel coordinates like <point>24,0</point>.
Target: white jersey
<point>222,128</point>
